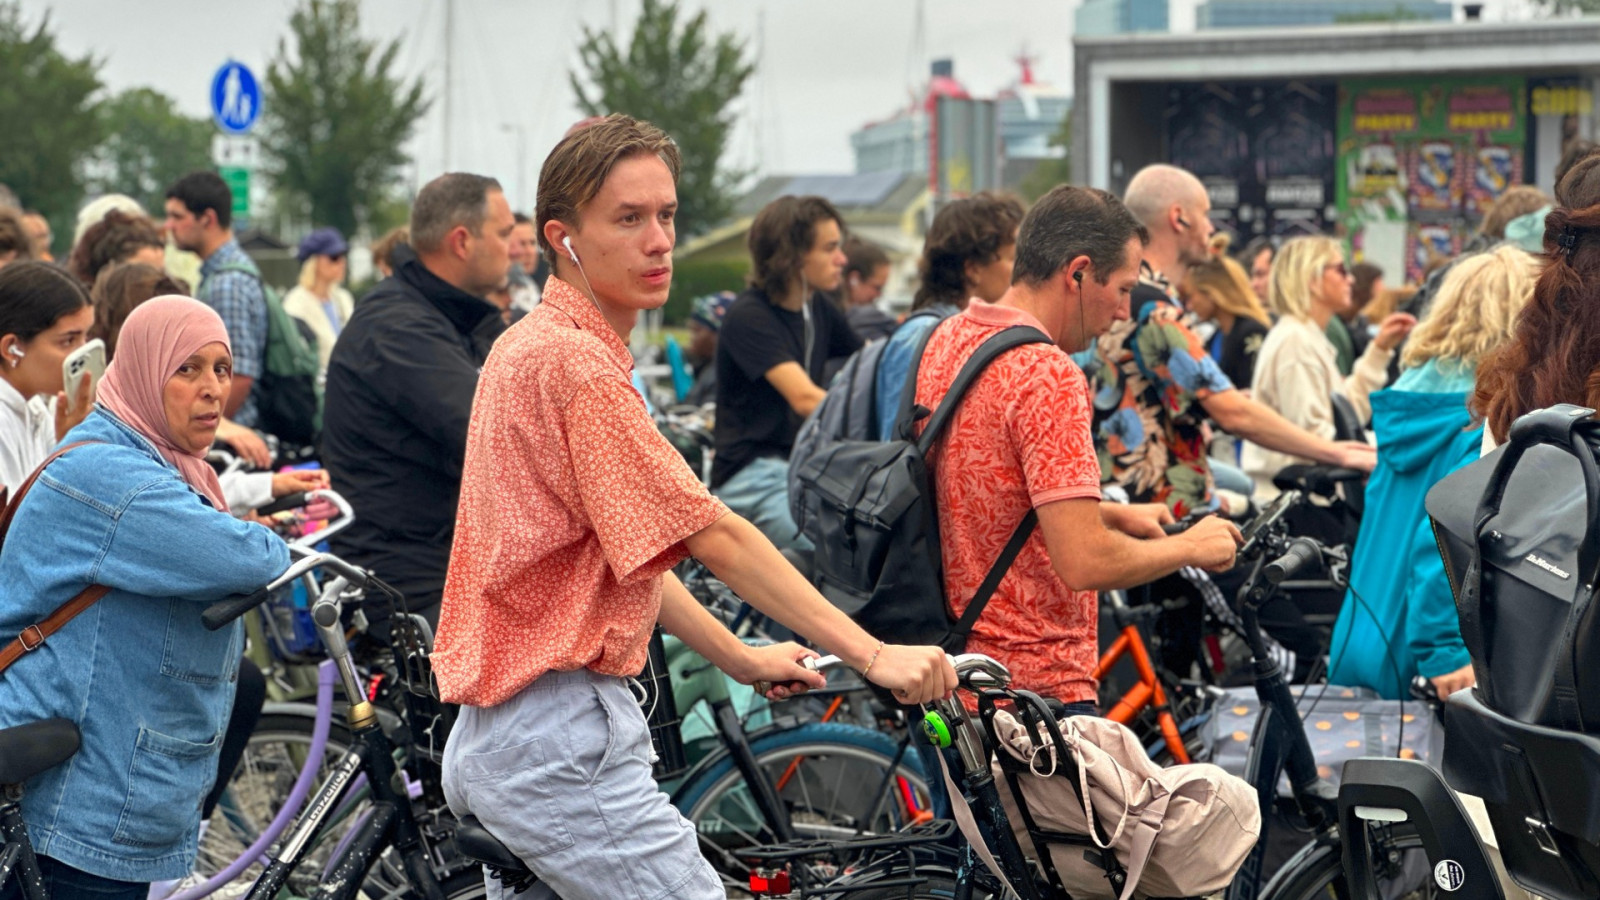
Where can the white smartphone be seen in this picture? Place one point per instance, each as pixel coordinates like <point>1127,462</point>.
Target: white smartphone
<point>88,361</point>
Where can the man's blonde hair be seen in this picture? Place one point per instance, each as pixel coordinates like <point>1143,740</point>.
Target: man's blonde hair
<point>1298,265</point>
<point>1475,309</point>
<point>578,167</point>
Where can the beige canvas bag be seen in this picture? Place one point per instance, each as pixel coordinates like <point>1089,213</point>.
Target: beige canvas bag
<point>1180,832</point>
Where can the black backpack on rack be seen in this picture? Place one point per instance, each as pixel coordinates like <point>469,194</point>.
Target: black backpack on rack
<point>1519,531</point>
<point>869,510</point>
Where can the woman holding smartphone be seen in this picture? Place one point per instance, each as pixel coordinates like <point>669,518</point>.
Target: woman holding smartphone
<point>44,315</point>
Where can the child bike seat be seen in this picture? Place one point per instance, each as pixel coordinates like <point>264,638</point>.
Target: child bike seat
<point>1541,787</point>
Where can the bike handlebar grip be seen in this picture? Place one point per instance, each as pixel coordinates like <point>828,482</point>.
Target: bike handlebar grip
<point>285,503</point>
<point>227,609</point>
<point>1175,528</point>
<point>1301,553</point>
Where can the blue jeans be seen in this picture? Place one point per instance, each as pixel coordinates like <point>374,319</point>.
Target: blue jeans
<point>1231,478</point>
<point>760,492</point>
<point>62,882</point>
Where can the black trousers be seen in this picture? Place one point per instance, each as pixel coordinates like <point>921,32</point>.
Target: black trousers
<point>247,703</point>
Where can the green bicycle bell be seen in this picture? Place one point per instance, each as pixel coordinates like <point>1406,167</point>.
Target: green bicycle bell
<point>934,726</point>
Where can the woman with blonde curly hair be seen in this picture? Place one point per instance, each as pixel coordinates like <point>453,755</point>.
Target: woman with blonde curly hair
<point>1405,624</point>
<point>1297,370</point>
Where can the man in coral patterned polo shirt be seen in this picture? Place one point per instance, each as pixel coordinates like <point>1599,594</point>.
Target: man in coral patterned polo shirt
<point>573,511</point>
<point>1020,440</point>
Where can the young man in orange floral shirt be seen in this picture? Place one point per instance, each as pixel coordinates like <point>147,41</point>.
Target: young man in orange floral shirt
<point>573,511</point>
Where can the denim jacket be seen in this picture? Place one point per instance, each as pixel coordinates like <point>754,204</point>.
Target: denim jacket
<point>149,687</point>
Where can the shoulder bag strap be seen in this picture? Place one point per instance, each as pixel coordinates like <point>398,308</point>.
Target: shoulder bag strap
<point>997,573</point>
<point>31,637</point>
<point>987,352</point>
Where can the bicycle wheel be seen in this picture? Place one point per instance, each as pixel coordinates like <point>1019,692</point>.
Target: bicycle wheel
<point>1317,871</point>
<point>824,774</point>
<point>266,774</point>
<point>261,784</point>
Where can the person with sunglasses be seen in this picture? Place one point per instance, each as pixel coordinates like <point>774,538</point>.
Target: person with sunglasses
<point>1297,369</point>
<point>320,300</point>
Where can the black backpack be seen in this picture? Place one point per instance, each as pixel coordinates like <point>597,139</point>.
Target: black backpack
<point>1519,531</point>
<point>288,397</point>
<point>869,511</point>
<point>848,412</point>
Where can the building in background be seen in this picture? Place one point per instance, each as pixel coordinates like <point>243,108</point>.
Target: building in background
<point>1029,113</point>
<point>1395,137</point>
<point>1102,17</point>
<point>1267,13</point>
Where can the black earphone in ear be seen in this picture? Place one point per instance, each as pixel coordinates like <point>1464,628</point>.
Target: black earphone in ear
<point>1182,222</point>
<point>1078,277</point>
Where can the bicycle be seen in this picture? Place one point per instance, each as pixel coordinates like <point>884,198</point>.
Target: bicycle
<point>1279,744</point>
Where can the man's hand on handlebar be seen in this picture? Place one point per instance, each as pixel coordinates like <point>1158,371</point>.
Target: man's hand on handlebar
<point>246,444</point>
<point>1356,455</point>
<point>779,670</point>
<point>1140,520</point>
<point>1215,541</point>
<point>913,674</point>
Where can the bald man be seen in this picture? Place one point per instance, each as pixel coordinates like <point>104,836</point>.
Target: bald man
<point>1155,385</point>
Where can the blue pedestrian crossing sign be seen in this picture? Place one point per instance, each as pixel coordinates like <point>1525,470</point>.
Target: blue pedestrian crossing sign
<point>235,98</point>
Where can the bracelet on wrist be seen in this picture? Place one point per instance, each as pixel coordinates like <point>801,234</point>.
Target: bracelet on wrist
<point>872,660</point>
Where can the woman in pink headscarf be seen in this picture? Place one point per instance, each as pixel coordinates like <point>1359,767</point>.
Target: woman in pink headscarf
<point>135,508</point>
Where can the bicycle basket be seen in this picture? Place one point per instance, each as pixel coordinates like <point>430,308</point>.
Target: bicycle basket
<point>661,713</point>
<point>411,641</point>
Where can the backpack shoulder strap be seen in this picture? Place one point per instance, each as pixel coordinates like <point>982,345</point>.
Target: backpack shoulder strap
<point>987,352</point>
<point>31,637</point>
<point>997,573</point>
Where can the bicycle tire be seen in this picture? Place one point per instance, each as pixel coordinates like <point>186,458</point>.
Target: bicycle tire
<point>260,784</point>
<point>1317,871</point>
<point>386,880</point>
<point>728,820</point>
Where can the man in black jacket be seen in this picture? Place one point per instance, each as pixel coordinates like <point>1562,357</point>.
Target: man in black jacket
<point>400,386</point>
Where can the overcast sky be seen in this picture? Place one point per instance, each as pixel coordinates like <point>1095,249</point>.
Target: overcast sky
<point>825,67</point>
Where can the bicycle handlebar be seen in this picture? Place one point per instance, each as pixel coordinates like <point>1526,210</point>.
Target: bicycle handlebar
<point>974,669</point>
<point>285,503</point>
<point>1302,552</point>
<point>227,609</point>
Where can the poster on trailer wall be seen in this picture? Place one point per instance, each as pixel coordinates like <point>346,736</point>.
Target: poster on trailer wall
<point>1429,157</point>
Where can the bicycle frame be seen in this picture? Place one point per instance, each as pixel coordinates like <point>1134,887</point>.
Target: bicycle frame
<point>1278,743</point>
<point>16,851</point>
<point>1148,692</point>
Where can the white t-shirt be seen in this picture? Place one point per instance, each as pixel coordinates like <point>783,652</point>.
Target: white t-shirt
<point>27,435</point>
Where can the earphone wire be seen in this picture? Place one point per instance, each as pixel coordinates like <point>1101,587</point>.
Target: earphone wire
<point>589,293</point>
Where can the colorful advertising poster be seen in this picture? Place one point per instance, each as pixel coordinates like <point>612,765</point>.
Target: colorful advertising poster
<point>1433,154</point>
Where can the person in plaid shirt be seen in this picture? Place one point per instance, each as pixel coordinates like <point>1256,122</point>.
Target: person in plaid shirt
<point>200,218</point>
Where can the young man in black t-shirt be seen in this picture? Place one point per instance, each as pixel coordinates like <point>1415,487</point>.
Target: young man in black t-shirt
<point>772,353</point>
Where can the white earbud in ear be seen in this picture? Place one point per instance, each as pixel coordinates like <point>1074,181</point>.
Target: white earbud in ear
<point>15,351</point>
<point>566,241</point>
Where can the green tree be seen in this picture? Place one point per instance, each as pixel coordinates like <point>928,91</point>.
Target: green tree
<point>683,79</point>
<point>48,123</point>
<point>336,118</point>
<point>1050,172</point>
<point>148,146</point>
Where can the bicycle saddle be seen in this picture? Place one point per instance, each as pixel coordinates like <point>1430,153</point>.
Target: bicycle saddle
<point>1323,481</point>
<point>27,750</point>
<point>476,843</point>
